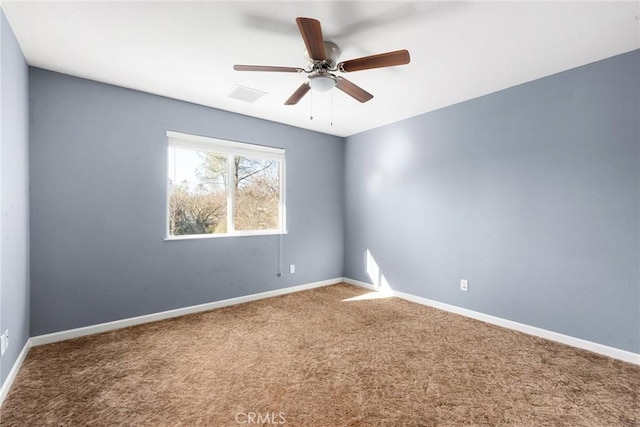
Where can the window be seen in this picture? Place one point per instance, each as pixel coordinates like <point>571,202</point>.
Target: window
<point>218,187</point>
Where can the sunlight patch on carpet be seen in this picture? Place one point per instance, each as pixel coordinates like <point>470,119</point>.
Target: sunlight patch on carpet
<point>370,296</point>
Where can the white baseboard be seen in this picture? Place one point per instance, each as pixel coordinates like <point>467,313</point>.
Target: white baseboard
<point>132,321</point>
<point>359,284</point>
<point>613,352</point>
<point>13,373</point>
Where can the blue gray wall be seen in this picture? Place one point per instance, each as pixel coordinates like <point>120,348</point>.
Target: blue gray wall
<point>531,193</point>
<point>14,196</point>
<point>98,207</point>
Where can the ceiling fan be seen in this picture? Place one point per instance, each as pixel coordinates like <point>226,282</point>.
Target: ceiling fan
<point>323,56</point>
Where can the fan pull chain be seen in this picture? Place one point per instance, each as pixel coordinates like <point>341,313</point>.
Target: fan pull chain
<point>311,107</point>
<point>331,110</point>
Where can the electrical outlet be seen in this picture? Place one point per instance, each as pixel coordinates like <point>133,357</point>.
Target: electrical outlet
<point>292,268</point>
<point>464,285</point>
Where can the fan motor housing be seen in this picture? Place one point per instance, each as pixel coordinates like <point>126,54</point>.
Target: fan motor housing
<point>332,52</point>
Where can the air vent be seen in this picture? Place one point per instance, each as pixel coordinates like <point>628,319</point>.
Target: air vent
<point>247,94</point>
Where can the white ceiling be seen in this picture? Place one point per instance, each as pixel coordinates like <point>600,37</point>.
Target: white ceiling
<point>186,50</point>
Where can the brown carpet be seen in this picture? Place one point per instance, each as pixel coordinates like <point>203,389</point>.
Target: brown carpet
<point>313,359</point>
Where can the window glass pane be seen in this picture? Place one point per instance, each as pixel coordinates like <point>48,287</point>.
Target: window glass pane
<point>197,192</point>
<point>257,194</point>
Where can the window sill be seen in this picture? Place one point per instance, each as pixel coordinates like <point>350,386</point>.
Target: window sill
<point>219,236</point>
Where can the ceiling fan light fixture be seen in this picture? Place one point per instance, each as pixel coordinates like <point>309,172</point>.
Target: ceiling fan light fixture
<point>322,82</point>
<point>323,56</point>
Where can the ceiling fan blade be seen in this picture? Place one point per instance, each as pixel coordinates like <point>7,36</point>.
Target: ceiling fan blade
<point>267,68</point>
<point>389,59</point>
<point>298,94</point>
<point>353,90</point>
<point>312,35</point>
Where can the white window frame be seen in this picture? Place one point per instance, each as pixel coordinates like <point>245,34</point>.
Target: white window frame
<point>230,149</point>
